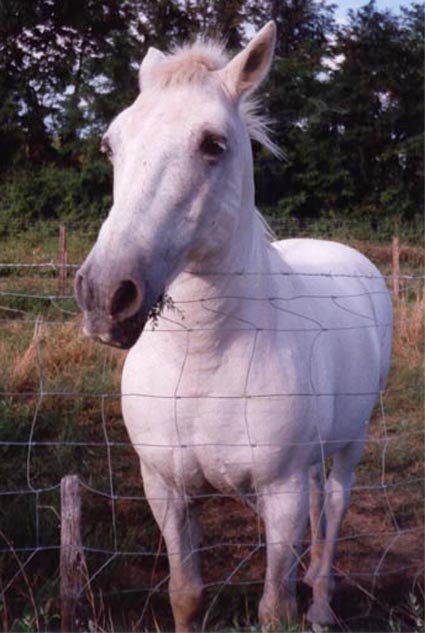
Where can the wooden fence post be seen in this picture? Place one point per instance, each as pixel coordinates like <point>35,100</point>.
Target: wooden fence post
<point>62,260</point>
<point>73,569</point>
<point>396,267</point>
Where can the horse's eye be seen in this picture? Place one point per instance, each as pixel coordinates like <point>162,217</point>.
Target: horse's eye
<point>213,146</point>
<point>105,147</point>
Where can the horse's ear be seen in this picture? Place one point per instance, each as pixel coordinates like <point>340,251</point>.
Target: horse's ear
<point>152,58</point>
<point>244,73</point>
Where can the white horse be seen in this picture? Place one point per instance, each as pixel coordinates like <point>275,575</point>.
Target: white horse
<point>270,356</point>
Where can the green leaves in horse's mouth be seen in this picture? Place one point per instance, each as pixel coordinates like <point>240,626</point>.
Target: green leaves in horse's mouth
<point>164,301</point>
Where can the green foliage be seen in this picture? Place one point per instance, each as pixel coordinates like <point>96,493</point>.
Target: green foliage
<point>52,192</point>
<point>380,128</point>
<point>352,136</point>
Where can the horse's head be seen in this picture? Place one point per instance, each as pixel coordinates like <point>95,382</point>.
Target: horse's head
<point>180,154</point>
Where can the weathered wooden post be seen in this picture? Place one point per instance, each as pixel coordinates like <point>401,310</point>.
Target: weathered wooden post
<point>62,260</point>
<point>73,569</point>
<point>396,267</point>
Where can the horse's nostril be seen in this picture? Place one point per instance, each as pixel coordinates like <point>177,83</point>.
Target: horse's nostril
<point>126,300</point>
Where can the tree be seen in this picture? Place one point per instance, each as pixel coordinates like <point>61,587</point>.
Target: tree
<point>348,110</point>
<point>378,88</point>
<point>295,98</point>
<point>219,19</point>
<point>346,103</point>
<point>407,91</point>
<point>66,68</point>
<point>302,25</point>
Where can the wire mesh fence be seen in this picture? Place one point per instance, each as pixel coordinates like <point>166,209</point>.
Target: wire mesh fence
<point>61,414</point>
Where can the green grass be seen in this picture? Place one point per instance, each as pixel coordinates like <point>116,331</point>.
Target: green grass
<point>40,242</point>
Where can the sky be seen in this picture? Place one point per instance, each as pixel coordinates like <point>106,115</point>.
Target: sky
<point>344,5</point>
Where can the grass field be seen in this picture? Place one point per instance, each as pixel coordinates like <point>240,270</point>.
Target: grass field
<point>60,414</point>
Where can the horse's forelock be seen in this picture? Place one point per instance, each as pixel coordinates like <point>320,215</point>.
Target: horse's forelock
<point>192,64</point>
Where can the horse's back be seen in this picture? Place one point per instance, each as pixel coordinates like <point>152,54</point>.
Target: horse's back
<point>306,255</point>
<point>337,268</point>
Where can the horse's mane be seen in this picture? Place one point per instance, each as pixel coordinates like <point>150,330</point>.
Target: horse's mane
<point>193,63</point>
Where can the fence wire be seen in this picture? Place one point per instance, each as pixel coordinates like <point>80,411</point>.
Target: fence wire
<point>60,415</point>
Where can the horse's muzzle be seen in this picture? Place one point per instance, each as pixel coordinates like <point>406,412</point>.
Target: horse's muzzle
<point>114,316</point>
<point>122,335</point>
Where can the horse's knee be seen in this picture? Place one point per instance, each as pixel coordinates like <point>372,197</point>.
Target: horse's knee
<point>314,567</point>
<point>338,492</point>
<point>186,600</point>
<point>324,586</point>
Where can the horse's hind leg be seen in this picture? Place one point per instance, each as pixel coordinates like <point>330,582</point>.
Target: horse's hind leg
<point>178,524</point>
<point>337,497</point>
<point>317,521</point>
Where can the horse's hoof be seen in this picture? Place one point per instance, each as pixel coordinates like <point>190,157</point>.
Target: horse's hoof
<point>320,613</point>
<point>273,615</point>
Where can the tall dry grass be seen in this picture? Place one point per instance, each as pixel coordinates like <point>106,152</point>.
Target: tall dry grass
<point>55,353</point>
<point>409,330</point>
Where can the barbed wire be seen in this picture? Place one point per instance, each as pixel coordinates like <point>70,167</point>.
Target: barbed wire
<point>55,267</point>
<point>382,487</point>
<point>390,528</point>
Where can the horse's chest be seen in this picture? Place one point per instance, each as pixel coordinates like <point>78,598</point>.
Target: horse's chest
<point>234,420</point>
<point>234,443</point>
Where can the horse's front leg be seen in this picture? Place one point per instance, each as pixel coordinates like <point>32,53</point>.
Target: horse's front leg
<point>178,524</point>
<point>284,508</point>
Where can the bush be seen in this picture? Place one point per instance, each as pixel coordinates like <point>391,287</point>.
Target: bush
<point>52,193</point>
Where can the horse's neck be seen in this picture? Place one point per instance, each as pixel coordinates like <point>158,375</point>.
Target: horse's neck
<point>217,295</point>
